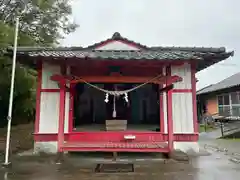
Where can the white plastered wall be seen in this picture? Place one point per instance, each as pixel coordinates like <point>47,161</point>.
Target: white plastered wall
<point>117,45</point>
<point>182,108</point>
<point>49,108</point>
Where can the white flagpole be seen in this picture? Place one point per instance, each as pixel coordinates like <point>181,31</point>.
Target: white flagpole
<point>9,118</point>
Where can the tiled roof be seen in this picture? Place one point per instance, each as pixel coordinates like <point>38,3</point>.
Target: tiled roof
<point>117,36</point>
<point>205,56</point>
<point>190,49</point>
<point>123,55</point>
<point>229,82</point>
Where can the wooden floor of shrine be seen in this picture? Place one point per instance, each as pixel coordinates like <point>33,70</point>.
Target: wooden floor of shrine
<point>130,127</point>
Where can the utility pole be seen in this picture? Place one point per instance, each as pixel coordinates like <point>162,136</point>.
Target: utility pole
<point>9,117</point>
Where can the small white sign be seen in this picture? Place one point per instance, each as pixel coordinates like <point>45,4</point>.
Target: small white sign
<point>129,137</point>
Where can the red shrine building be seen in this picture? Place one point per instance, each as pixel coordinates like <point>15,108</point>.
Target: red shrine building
<point>117,96</point>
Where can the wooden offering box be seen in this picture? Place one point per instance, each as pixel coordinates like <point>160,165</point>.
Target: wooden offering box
<point>116,125</point>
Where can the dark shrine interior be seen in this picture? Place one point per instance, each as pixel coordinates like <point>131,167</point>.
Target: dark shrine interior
<point>142,107</point>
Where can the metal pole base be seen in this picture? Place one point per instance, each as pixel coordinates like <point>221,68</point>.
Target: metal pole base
<point>7,165</point>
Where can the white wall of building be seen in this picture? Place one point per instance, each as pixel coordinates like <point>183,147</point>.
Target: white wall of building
<point>182,108</point>
<point>182,113</point>
<point>49,112</point>
<point>49,108</point>
<point>184,71</point>
<point>117,45</point>
<point>50,101</point>
<point>47,71</point>
<point>182,105</point>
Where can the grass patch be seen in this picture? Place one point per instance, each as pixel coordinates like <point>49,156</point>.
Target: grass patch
<point>235,136</point>
<point>205,128</point>
<point>230,139</point>
<point>21,138</point>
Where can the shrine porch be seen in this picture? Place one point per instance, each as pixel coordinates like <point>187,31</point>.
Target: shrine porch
<point>115,141</point>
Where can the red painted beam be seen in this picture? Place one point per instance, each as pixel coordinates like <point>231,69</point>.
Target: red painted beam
<point>93,63</point>
<point>124,70</point>
<point>167,88</point>
<point>182,90</point>
<point>89,149</point>
<point>115,136</point>
<point>118,79</point>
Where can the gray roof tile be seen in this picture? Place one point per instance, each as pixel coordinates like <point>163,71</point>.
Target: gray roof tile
<point>191,49</point>
<point>229,82</point>
<point>205,56</point>
<point>97,54</point>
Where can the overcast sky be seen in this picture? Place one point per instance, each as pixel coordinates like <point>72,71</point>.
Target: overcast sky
<point>211,23</point>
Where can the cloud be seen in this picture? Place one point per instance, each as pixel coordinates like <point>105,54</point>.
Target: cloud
<point>211,23</point>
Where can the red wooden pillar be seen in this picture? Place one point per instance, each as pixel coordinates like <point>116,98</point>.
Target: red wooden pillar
<point>38,97</point>
<point>61,115</point>
<point>161,110</point>
<point>169,112</point>
<point>194,96</point>
<point>71,107</point>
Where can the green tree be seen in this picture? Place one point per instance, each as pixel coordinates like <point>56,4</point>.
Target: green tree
<point>45,21</point>
<point>42,23</point>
